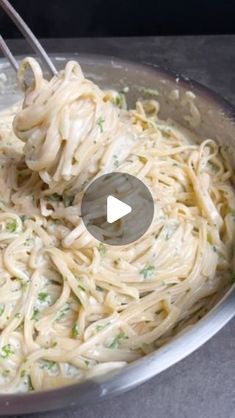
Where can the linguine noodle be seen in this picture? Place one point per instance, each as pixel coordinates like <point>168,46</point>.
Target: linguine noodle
<point>72,308</point>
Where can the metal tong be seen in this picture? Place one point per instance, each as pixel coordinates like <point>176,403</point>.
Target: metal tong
<point>28,35</point>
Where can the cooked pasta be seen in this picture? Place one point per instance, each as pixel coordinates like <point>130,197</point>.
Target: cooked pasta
<point>72,308</point>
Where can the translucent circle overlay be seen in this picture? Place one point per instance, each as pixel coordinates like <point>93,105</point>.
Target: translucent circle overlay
<point>128,189</point>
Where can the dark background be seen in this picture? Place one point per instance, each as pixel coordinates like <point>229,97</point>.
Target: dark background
<point>75,18</point>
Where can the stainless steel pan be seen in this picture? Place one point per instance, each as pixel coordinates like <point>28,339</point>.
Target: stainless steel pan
<point>217,122</point>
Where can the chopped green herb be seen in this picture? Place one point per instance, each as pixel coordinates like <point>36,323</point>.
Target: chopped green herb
<point>34,315</point>
<point>28,241</point>
<point>101,327</point>
<point>7,351</point>
<point>75,331</point>
<point>118,101</point>
<point>30,386</point>
<point>100,122</point>
<point>42,296</point>
<point>23,373</point>
<point>116,162</point>
<point>18,315</point>
<point>54,344</point>
<point>212,166</point>
<point>63,312</point>
<point>80,284</point>
<point>23,284</point>
<point>170,229</point>
<point>48,365</point>
<point>2,308</point>
<point>166,134</point>
<point>11,226</point>
<point>142,159</point>
<point>100,289</point>
<point>117,340</point>
<point>102,249</point>
<point>87,362</point>
<point>147,272</point>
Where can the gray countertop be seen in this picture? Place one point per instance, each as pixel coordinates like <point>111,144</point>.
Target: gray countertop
<point>203,384</point>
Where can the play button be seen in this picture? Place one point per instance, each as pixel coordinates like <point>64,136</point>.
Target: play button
<point>117,208</point>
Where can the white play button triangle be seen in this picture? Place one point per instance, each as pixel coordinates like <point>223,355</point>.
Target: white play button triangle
<point>116,209</point>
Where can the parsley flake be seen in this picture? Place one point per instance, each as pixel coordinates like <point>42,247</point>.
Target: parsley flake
<point>118,101</point>
<point>42,296</point>
<point>101,327</point>
<point>100,122</point>
<point>80,284</point>
<point>7,351</point>
<point>34,315</point>
<point>63,312</point>
<point>75,331</point>
<point>147,272</point>
<point>142,159</point>
<point>11,226</point>
<point>48,365</point>
<point>116,162</point>
<point>102,249</point>
<point>117,340</point>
